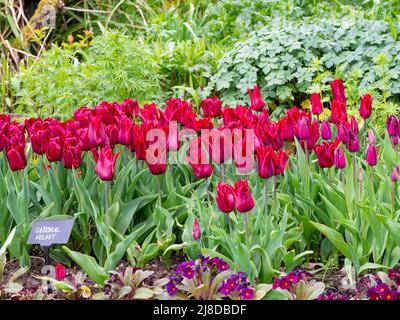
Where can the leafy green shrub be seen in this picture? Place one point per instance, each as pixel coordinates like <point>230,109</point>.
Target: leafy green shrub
<point>113,67</point>
<point>278,57</point>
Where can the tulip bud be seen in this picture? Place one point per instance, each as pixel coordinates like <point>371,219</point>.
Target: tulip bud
<point>304,130</point>
<point>395,173</point>
<point>60,273</point>
<point>256,101</point>
<point>365,106</point>
<point>244,200</point>
<point>339,158</point>
<point>326,132</point>
<point>225,197</point>
<point>392,126</point>
<point>372,155</point>
<point>196,232</point>
<point>338,90</point>
<point>316,105</point>
<point>353,144</point>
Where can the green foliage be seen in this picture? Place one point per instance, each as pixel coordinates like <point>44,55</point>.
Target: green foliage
<point>278,58</point>
<point>112,67</point>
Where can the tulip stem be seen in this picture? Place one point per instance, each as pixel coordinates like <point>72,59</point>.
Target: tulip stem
<point>355,179</point>
<point>266,196</point>
<point>158,185</point>
<point>106,192</point>
<point>275,185</point>
<point>229,223</point>
<point>222,172</point>
<point>246,225</point>
<point>393,196</point>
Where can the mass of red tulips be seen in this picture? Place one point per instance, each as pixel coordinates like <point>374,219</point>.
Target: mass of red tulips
<point>243,134</point>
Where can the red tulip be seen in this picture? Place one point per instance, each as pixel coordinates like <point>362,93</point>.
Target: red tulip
<point>395,173</point>
<point>353,144</point>
<point>211,107</point>
<point>38,141</point>
<point>326,153</point>
<point>83,136</point>
<point>392,125</point>
<point>60,272</point>
<point>338,90</point>
<point>339,158</point>
<point>316,105</point>
<point>139,144</point>
<point>280,162</point>
<point>265,162</point>
<point>196,232</point>
<point>54,149</point>
<point>366,106</point>
<point>338,111</point>
<point>314,136</point>
<point>97,133</point>
<point>219,144</point>
<point>273,135</point>
<point>303,129</point>
<point>125,132</point>
<point>156,159</point>
<point>72,154</point>
<point>16,157</point>
<point>225,197</point>
<point>105,162</point>
<point>372,155</point>
<point>129,108</point>
<point>256,101</point>
<point>200,169</point>
<point>112,132</point>
<point>244,200</point>
<point>84,115</point>
<point>326,132</point>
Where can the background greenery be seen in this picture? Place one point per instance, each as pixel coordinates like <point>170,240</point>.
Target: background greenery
<point>149,50</point>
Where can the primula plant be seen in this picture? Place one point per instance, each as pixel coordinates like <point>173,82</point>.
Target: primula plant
<point>211,278</point>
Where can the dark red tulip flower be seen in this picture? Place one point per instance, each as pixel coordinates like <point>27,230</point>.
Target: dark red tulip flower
<point>326,132</point>
<point>16,157</point>
<point>156,160</point>
<point>339,158</point>
<point>314,136</point>
<point>196,232</point>
<point>265,157</point>
<point>280,162</point>
<point>97,133</point>
<point>60,272</point>
<point>338,90</point>
<point>84,115</point>
<point>256,101</point>
<point>372,155</point>
<point>366,106</point>
<point>326,153</point>
<point>125,132</point>
<point>139,144</point>
<point>338,111</point>
<point>219,144</point>
<point>38,141</point>
<point>392,125</point>
<point>273,134</point>
<point>244,200</point>
<point>395,174</point>
<point>211,107</point>
<point>72,153</point>
<point>83,136</point>
<point>54,150</point>
<point>105,162</point>
<point>353,143</point>
<point>225,197</point>
<point>201,170</point>
<point>303,132</point>
<point>112,132</point>
<point>316,105</point>
<point>129,107</point>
